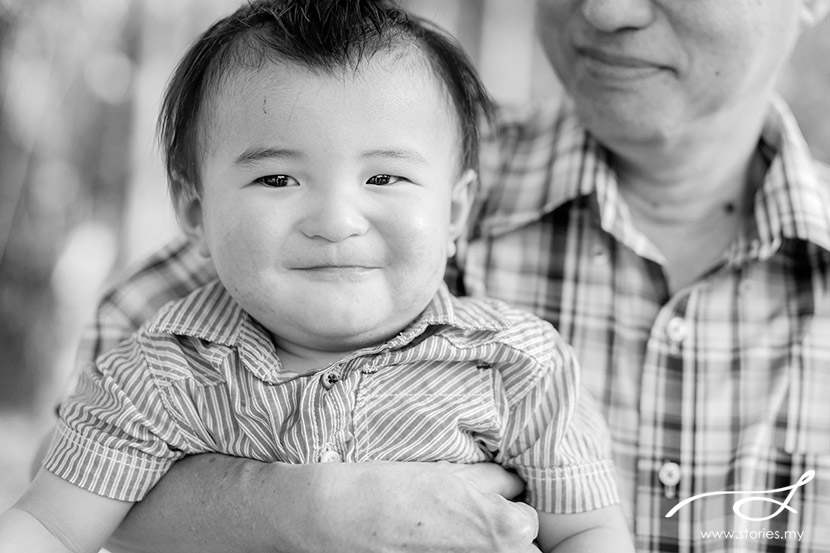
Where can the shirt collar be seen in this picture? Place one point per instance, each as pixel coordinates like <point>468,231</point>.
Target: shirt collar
<point>211,314</point>
<point>793,202</point>
<point>208,313</point>
<point>447,310</point>
<point>536,159</point>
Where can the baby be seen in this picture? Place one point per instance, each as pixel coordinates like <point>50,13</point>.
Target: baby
<point>322,154</point>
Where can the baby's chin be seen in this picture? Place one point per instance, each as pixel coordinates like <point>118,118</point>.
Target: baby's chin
<point>349,338</point>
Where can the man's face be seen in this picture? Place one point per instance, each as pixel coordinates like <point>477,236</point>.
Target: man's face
<point>643,70</point>
<point>329,201</point>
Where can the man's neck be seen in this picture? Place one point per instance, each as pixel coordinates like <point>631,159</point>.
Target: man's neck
<point>689,195</point>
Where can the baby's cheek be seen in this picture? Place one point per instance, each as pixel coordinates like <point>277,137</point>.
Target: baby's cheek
<point>419,257</point>
<point>417,239</point>
<point>240,253</point>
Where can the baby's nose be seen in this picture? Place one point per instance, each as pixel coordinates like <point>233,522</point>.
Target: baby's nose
<point>334,217</point>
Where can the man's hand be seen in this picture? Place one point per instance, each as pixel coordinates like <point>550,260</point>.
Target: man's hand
<point>215,503</point>
<point>486,477</point>
<point>420,507</point>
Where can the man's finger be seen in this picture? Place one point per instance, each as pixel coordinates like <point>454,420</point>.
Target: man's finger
<point>488,478</point>
<point>520,518</point>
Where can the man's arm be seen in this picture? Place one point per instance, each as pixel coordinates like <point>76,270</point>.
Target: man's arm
<point>216,503</point>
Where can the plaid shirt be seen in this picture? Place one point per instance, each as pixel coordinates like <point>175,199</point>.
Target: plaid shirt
<point>468,381</point>
<point>722,386</point>
<point>723,379</point>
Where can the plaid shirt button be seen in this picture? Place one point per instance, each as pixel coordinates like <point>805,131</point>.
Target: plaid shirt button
<point>677,330</point>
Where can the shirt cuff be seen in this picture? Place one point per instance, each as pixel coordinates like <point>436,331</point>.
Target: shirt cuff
<point>573,489</point>
<point>112,473</point>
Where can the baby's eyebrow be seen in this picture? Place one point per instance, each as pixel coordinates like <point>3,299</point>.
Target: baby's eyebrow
<point>254,154</point>
<point>406,155</point>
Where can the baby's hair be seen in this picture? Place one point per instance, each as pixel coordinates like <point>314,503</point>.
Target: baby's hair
<point>323,35</point>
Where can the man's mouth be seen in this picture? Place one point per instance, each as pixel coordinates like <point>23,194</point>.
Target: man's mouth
<point>607,65</point>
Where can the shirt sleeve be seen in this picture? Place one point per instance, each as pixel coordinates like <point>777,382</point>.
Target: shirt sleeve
<point>557,441</point>
<point>170,273</point>
<point>115,437</point>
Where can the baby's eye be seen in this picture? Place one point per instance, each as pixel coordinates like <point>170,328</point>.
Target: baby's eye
<point>277,181</point>
<point>382,180</point>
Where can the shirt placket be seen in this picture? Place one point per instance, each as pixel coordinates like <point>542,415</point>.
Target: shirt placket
<point>667,403</point>
<point>333,405</point>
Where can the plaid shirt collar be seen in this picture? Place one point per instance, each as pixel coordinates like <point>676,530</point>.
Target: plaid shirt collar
<point>211,314</point>
<point>792,203</point>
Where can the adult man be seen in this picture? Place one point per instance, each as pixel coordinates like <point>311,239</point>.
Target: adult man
<point>682,244</point>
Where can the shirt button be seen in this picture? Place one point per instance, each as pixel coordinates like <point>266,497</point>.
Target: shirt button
<point>669,474</point>
<point>677,329</point>
<point>329,378</point>
<point>330,456</point>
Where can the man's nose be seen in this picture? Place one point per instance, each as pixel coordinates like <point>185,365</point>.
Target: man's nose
<point>617,15</point>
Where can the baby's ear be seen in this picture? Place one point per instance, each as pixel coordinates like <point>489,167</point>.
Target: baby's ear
<point>189,213</point>
<point>813,12</point>
<point>463,194</point>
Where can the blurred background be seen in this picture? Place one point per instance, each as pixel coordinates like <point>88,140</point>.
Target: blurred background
<point>82,189</point>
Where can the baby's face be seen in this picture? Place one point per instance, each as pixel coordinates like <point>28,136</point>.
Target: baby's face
<point>329,202</point>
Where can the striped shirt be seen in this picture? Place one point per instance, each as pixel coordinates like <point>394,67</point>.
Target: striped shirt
<point>722,386</point>
<point>468,381</point>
